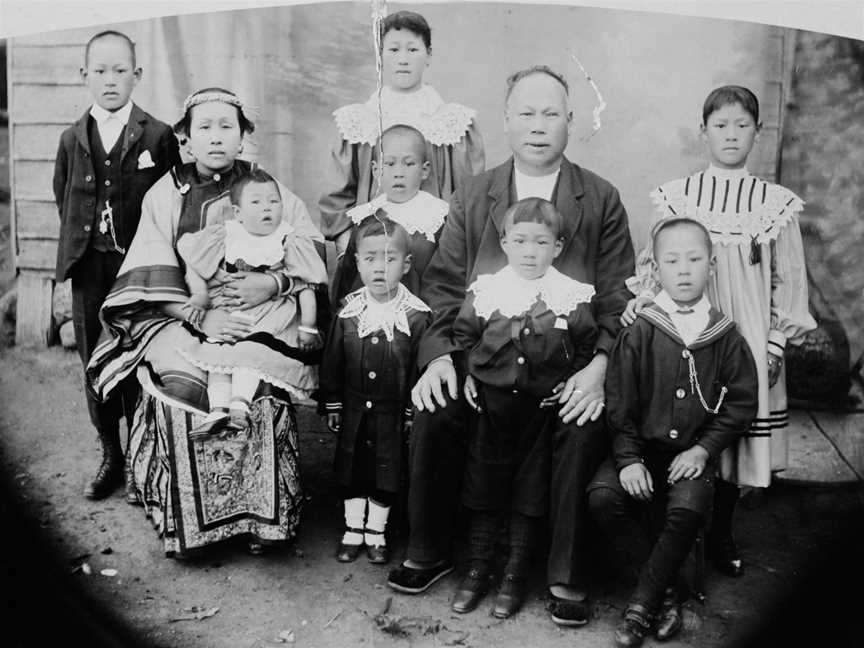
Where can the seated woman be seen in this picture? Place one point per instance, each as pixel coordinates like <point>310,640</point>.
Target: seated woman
<point>241,481</point>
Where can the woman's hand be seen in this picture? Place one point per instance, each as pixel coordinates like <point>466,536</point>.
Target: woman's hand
<point>689,464</point>
<point>775,364</point>
<point>583,395</point>
<point>247,289</point>
<point>220,325</point>
<point>470,391</point>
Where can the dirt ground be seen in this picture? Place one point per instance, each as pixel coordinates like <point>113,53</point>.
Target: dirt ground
<point>803,545</point>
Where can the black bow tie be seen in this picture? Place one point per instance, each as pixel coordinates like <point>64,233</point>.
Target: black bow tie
<point>685,311</point>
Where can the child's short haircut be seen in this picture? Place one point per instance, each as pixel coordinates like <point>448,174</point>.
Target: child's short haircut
<point>256,176</point>
<point>534,210</point>
<point>182,127</point>
<point>516,77</point>
<point>677,223</point>
<point>380,224</point>
<point>105,34</point>
<point>728,95</point>
<point>406,131</point>
<point>411,21</point>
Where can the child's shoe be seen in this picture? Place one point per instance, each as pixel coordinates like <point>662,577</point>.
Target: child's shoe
<point>214,422</point>
<point>669,620</point>
<point>376,553</point>
<point>376,523</point>
<point>634,628</point>
<point>352,540</point>
<point>511,596</point>
<point>239,418</point>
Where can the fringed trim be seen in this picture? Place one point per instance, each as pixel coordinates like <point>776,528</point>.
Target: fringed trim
<point>511,295</point>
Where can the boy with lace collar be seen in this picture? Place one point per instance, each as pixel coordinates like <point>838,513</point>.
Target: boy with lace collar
<point>680,387</point>
<point>368,369</point>
<point>454,148</point>
<point>523,331</point>
<point>402,168</point>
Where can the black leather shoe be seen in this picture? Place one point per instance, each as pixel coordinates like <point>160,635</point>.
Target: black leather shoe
<point>471,591</point>
<point>669,620</point>
<point>348,552</point>
<point>511,596</point>
<point>725,556</point>
<point>634,628</point>
<point>567,612</point>
<point>108,478</point>
<point>410,580</point>
<point>377,554</point>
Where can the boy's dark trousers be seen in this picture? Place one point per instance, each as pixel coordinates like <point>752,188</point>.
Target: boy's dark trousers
<point>92,279</point>
<point>678,509</point>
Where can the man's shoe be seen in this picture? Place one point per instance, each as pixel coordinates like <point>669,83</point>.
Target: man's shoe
<point>409,580</point>
<point>471,591</point>
<point>108,478</point>
<point>669,620</point>
<point>725,556</point>
<point>634,628</point>
<point>511,596</point>
<point>567,612</point>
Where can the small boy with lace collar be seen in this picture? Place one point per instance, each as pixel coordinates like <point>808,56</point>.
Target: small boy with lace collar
<point>523,330</point>
<point>402,163</point>
<point>681,387</point>
<point>367,373</point>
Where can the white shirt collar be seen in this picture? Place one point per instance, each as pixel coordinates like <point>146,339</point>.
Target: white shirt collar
<point>528,186</point>
<point>664,301</point>
<point>688,324</point>
<point>101,115</point>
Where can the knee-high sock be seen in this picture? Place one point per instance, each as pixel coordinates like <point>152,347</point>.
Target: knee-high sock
<point>218,392</point>
<point>244,383</point>
<point>523,540</point>
<point>482,533</point>
<point>376,523</point>
<point>355,515</point>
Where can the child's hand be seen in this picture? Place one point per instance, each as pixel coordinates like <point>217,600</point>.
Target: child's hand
<point>775,363</point>
<point>551,401</point>
<point>307,340</point>
<point>334,422</point>
<point>689,464</point>
<point>637,481</point>
<point>633,307</point>
<point>470,391</point>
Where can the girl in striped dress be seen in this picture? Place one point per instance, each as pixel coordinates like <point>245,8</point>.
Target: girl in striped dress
<point>760,282</point>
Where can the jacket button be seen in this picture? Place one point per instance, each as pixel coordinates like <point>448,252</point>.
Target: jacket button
<point>217,177</point>
<point>372,375</point>
<point>680,393</point>
<point>368,404</point>
<point>520,360</point>
<point>515,391</point>
<point>88,178</point>
<point>107,162</point>
<point>86,228</point>
<point>685,354</point>
<point>107,183</point>
<point>673,434</point>
<point>374,339</point>
<point>526,330</point>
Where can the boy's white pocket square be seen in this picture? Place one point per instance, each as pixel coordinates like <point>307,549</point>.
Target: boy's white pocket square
<point>145,161</point>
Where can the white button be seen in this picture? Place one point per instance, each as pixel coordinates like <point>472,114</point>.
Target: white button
<point>86,228</point>
<point>217,177</point>
<point>88,178</point>
<point>680,393</point>
<point>515,391</point>
<point>685,353</point>
<point>107,162</point>
<point>372,375</point>
<point>107,183</point>
<point>374,340</point>
<point>368,404</point>
<point>526,330</point>
<point>673,434</point>
<point>520,360</point>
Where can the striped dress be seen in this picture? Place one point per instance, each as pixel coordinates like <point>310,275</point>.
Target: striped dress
<point>760,282</point>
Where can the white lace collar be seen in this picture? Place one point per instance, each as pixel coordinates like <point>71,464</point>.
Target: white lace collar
<point>423,214</point>
<point>255,250</point>
<point>511,295</point>
<point>442,124</point>
<point>760,213</point>
<point>373,315</point>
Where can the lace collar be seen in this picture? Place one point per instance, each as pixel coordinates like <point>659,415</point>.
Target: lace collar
<point>255,250</point>
<point>736,207</point>
<point>422,214</point>
<point>375,316</point>
<point>442,124</point>
<point>511,295</point>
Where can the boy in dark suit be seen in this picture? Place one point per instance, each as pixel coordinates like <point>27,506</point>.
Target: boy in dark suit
<point>105,164</point>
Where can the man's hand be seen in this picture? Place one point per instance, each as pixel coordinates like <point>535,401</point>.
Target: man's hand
<point>689,464</point>
<point>636,480</point>
<point>428,389</point>
<point>583,395</point>
<point>775,364</point>
<point>470,391</point>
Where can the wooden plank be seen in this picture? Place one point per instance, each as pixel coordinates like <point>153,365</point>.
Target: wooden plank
<point>34,254</point>
<point>33,179</point>
<point>59,64</point>
<point>36,141</point>
<point>33,104</point>
<point>37,220</point>
<point>34,324</point>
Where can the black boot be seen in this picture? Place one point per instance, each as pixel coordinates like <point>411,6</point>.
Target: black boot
<point>110,473</point>
<point>721,545</point>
